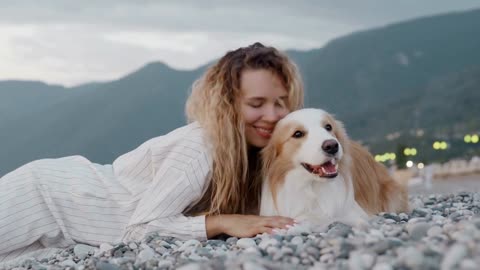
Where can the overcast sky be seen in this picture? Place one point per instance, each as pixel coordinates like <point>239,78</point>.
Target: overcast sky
<point>72,42</point>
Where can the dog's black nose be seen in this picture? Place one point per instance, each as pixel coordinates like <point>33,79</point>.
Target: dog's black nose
<point>330,147</point>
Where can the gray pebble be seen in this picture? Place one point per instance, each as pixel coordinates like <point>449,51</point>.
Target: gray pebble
<point>246,242</point>
<point>106,266</point>
<point>434,231</point>
<point>418,231</point>
<point>82,251</point>
<point>453,256</point>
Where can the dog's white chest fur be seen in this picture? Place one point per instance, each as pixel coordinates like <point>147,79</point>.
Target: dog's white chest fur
<point>313,202</point>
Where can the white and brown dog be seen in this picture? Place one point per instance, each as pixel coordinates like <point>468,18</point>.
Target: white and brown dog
<point>314,173</point>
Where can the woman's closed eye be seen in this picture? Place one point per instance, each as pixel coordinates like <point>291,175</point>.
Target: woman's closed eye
<point>255,104</point>
<point>280,104</point>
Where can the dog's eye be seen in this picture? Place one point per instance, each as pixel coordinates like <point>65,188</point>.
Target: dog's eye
<point>298,134</point>
<point>328,127</point>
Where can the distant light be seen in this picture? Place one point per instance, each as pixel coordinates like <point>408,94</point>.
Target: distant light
<point>410,151</point>
<point>443,145</point>
<point>385,157</point>
<point>440,145</point>
<point>409,164</point>
<point>475,138</point>
<point>467,138</point>
<point>420,165</point>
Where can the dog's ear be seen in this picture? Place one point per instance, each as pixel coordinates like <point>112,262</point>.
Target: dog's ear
<point>341,134</point>
<point>269,153</point>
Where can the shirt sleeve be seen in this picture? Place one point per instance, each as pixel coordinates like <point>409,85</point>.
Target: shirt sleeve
<point>178,183</point>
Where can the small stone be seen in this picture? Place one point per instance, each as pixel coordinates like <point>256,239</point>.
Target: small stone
<point>416,220</point>
<point>294,260</point>
<point>106,266</point>
<point>453,256</point>
<point>146,254</point>
<point>382,266</point>
<point>118,253</point>
<point>412,258</point>
<point>390,221</point>
<point>393,216</point>
<point>81,251</point>
<point>403,216</point>
<point>133,245</point>
<point>360,261</point>
<point>216,243</point>
<point>456,216</point>
<point>297,240</point>
<point>205,252</point>
<point>272,250</point>
<point>68,263</point>
<point>252,250</point>
<point>434,231</point>
<point>268,242</point>
<point>192,243</point>
<point>421,212</point>
<point>129,254</point>
<point>164,264</point>
<point>190,266</point>
<point>418,231</point>
<point>232,240</point>
<point>315,252</point>
<point>326,258</point>
<point>246,243</point>
<point>468,264</point>
<point>381,247</point>
<point>161,250</point>
<point>105,247</point>
<point>252,266</point>
<point>338,229</point>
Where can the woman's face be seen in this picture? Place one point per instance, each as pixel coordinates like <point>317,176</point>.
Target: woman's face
<point>263,103</point>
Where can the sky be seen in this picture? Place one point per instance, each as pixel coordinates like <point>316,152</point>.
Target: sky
<point>73,42</point>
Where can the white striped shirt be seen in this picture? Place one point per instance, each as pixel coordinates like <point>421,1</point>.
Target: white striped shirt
<point>59,202</point>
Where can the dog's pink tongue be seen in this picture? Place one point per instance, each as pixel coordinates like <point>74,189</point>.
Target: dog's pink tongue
<point>329,167</point>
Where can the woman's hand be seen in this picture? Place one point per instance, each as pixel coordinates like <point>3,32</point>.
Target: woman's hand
<point>245,225</point>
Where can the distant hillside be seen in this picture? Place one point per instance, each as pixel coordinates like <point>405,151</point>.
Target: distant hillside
<point>421,74</point>
<point>375,75</point>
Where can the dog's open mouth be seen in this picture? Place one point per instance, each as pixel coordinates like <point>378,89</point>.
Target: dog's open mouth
<point>328,169</point>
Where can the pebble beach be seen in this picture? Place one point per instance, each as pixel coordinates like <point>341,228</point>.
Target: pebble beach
<point>441,232</point>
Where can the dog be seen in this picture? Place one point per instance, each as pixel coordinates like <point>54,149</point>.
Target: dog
<point>314,173</point>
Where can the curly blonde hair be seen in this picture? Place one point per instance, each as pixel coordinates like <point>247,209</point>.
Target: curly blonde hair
<point>235,187</point>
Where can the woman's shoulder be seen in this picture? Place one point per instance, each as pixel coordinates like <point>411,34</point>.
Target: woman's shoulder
<point>189,138</point>
<point>183,145</point>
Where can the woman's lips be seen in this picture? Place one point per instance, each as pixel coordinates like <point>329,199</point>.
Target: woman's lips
<point>264,132</point>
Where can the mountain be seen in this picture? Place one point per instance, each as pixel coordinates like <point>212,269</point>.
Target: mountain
<point>100,121</point>
<point>364,76</point>
<point>398,79</point>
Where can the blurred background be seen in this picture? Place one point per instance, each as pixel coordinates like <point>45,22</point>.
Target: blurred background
<point>98,78</point>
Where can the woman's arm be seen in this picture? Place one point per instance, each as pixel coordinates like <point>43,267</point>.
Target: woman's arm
<point>177,182</point>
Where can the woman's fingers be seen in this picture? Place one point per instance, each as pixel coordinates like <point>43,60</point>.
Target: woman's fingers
<point>278,222</point>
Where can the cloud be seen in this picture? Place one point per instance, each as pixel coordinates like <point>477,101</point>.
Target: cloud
<point>71,42</point>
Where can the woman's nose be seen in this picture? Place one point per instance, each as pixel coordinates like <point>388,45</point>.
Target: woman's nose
<point>274,114</point>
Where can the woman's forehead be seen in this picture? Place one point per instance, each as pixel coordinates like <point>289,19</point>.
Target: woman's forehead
<point>261,83</point>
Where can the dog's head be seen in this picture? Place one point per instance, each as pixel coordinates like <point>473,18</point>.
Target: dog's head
<point>310,141</point>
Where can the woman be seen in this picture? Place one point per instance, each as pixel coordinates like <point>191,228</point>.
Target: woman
<point>198,181</point>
